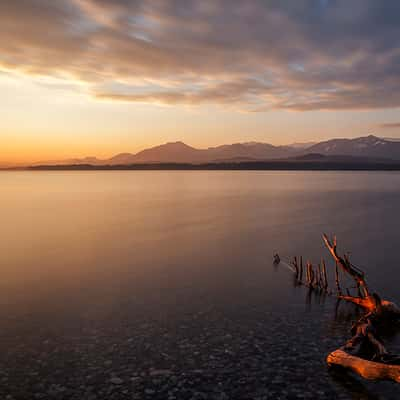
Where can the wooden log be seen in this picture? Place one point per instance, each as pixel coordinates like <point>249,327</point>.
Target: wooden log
<point>311,272</point>
<point>301,269</point>
<point>364,353</point>
<point>390,309</point>
<point>345,264</point>
<point>321,277</point>
<point>339,290</point>
<point>367,369</point>
<point>296,267</point>
<point>325,275</point>
<point>365,342</point>
<point>369,304</point>
<point>359,290</point>
<point>316,277</point>
<point>365,302</point>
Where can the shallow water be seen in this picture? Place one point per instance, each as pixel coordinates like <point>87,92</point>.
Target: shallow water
<point>113,274</point>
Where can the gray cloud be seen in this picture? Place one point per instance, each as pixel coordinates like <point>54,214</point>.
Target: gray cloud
<point>256,55</point>
<point>390,125</point>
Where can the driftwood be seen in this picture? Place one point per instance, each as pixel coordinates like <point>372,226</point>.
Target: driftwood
<point>345,264</point>
<point>365,353</point>
<point>366,369</point>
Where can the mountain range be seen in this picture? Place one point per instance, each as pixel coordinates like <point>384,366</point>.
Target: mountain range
<point>367,147</point>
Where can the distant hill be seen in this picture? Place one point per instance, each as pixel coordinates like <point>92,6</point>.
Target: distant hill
<point>307,162</point>
<point>302,145</point>
<point>179,152</point>
<point>71,161</point>
<point>369,147</point>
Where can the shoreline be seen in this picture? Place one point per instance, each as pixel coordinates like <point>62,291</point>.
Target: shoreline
<point>243,166</point>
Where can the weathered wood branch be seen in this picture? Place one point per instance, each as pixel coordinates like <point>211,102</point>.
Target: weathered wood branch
<point>364,302</point>
<point>301,270</point>
<point>367,369</point>
<point>325,275</point>
<point>345,264</point>
<point>338,288</point>
<point>364,353</point>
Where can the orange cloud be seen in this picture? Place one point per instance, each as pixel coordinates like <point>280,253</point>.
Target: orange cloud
<point>306,55</point>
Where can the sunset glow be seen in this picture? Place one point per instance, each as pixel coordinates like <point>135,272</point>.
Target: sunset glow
<point>97,77</point>
<point>200,199</point>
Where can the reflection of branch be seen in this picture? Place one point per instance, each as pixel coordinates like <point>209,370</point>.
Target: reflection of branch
<point>353,385</point>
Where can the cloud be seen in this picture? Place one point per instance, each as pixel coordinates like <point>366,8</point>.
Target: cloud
<point>256,55</point>
<point>390,125</point>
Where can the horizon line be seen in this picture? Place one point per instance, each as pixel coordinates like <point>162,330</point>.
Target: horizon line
<point>30,163</point>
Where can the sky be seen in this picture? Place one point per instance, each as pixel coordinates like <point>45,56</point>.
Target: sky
<point>99,77</point>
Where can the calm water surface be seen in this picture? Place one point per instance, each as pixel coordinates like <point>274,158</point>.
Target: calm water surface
<point>114,274</point>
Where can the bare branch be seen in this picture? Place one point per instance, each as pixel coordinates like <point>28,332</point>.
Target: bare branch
<point>345,264</point>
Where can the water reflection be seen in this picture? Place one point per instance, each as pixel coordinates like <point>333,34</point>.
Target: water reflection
<point>122,267</point>
<point>355,388</point>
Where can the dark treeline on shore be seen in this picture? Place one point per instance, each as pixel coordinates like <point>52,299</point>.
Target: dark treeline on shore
<point>266,165</point>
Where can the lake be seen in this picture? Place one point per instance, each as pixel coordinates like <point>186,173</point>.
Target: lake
<point>160,284</point>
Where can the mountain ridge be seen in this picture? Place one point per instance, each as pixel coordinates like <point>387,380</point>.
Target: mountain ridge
<point>371,147</point>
